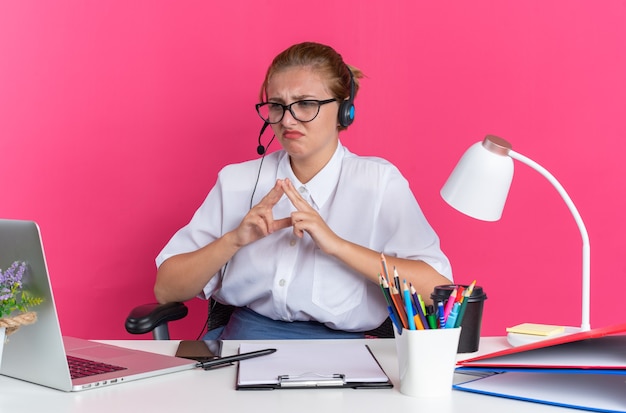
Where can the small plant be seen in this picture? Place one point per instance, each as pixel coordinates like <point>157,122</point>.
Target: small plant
<point>13,297</point>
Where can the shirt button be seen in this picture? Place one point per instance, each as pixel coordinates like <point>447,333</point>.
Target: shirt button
<point>292,242</point>
<point>302,189</point>
<point>282,282</point>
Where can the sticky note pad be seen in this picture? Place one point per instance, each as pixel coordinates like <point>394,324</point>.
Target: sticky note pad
<point>535,329</point>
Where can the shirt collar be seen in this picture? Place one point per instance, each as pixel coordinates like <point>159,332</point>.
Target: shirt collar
<point>323,184</point>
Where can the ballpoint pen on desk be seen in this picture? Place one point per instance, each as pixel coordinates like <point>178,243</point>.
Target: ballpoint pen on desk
<point>223,361</point>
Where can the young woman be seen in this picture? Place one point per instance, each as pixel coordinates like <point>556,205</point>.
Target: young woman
<point>294,239</point>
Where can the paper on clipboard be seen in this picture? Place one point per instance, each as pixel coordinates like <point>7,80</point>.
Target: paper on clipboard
<point>309,364</point>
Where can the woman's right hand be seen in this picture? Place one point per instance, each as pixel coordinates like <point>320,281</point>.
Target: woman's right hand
<point>259,222</point>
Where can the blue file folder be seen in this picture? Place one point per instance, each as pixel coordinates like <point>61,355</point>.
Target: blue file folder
<point>586,370</point>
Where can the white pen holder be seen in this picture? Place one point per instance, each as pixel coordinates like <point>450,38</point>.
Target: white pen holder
<point>427,360</point>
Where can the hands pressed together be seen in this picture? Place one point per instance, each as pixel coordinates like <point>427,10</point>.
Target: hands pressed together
<point>260,221</point>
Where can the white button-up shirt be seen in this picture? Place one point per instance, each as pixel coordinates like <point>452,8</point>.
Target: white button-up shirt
<point>365,200</point>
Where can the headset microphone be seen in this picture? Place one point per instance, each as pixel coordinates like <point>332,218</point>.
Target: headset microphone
<point>261,149</point>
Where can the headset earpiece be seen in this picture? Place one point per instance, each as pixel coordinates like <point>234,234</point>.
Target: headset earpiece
<point>346,108</point>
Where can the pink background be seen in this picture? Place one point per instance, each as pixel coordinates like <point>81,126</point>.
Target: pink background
<point>115,117</point>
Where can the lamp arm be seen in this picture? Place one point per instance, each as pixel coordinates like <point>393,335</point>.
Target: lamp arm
<point>586,276</point>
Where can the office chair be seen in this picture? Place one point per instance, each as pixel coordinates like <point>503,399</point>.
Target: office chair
<point>155,317</point>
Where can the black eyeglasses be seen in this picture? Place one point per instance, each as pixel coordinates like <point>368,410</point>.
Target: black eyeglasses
<point>302,110</point>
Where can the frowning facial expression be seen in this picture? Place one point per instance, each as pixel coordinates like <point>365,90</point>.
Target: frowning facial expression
<point>311,142</point>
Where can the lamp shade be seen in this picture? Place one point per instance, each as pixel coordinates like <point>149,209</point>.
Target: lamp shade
<point>479,184</point>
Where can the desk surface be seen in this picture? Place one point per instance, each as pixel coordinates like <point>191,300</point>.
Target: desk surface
<point>214,390</point>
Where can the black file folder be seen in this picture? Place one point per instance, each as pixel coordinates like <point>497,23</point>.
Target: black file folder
<point>311,364</point>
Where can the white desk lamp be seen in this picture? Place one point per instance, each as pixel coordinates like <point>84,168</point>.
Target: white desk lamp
<point>478,187</point>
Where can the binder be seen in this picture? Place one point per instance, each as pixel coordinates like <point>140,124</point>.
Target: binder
<point>590,391</point>
<point>585,370</point>
<point>311,364</point>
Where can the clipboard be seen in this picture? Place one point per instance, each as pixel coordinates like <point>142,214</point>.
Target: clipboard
<point>311,364</point>
<point>585,370</point>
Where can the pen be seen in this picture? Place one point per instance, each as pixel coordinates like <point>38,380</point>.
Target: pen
<point>440,312</point>
<point>207,365</point>
<point>409,307</point>
<point>431,317</point>
<point>451,320</point>
<point>450,303</point>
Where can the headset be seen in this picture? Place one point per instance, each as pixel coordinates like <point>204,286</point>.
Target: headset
<point>346,109</point>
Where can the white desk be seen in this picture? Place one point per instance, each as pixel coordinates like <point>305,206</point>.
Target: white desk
<point>214,391</point>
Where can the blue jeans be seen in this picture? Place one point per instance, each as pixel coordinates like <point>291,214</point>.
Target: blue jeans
<point>245,324</point>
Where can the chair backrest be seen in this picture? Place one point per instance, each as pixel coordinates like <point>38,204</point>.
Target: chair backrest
<point>219,314</point>
<point>385,330</point>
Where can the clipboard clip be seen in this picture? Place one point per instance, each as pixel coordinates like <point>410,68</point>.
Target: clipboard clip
<point>312,380</point>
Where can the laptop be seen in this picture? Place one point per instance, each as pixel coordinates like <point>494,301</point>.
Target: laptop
<point>38,353</point>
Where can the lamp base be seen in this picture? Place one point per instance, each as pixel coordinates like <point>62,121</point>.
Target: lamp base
<point>517,339</point>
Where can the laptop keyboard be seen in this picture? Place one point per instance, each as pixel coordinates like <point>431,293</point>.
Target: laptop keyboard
<point>84,368</point>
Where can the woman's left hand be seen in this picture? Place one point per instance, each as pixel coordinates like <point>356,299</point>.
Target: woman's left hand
<point>306,219</point>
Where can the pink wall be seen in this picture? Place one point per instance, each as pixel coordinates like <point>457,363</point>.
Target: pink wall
<point>115,117</point>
